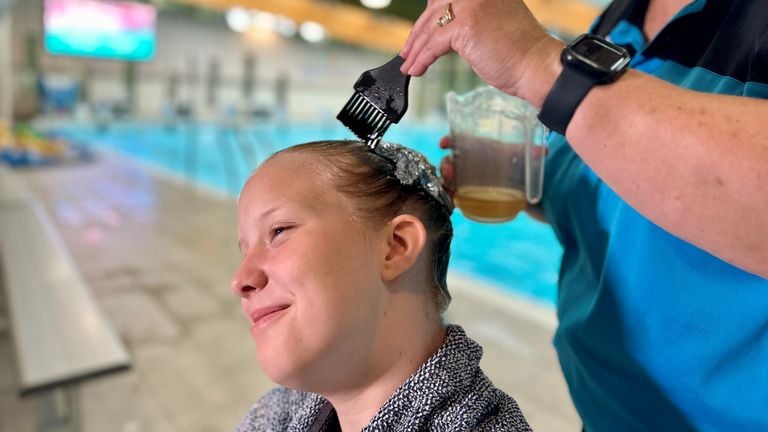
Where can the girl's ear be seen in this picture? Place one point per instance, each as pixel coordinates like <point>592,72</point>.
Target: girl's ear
<point>405,238</point>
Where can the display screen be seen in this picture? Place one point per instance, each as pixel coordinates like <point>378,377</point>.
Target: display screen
<point>95,28</point>
<point>599,53</point>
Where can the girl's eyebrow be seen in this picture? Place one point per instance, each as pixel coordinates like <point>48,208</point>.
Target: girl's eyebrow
<point>269,211</point>
<point>263,215</point>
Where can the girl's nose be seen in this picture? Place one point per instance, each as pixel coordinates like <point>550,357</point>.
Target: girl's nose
<point>248,278</point>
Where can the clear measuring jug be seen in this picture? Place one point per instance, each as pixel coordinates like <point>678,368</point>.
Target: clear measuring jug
<point>498,151</point>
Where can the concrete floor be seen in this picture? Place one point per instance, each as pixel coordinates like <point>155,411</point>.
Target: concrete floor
<point>158,255</point>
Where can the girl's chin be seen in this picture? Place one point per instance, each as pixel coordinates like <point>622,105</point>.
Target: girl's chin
<point>279,365</point>
<point>292,371</point>
<point>286,376</point>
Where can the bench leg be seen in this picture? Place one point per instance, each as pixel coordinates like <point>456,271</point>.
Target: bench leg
<point>56,411</point>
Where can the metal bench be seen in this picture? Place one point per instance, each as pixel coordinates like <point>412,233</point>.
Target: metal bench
<point>59,333</point>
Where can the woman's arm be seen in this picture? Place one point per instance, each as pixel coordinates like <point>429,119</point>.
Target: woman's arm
<point>696,164</point>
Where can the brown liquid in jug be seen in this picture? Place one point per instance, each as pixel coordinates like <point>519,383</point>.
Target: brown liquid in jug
<point>490,203</point>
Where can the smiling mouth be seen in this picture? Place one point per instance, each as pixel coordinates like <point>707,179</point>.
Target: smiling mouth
<point>260,316</point>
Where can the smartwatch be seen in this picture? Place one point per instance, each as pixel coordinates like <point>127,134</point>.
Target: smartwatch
<point>587,61</point>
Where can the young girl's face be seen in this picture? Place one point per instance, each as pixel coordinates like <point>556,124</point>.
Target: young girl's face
<point>309,280</point>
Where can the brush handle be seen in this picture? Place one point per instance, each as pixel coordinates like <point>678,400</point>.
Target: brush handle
<point>389,71</point>
<point>386,88</point>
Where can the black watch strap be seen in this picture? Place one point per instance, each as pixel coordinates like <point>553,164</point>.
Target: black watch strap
<point>562,101</point>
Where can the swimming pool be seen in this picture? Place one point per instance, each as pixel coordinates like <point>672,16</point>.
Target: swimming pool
<point>521,256</point>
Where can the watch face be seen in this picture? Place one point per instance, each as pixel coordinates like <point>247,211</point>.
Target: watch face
<point>596,58</point>
<point>599,53</point>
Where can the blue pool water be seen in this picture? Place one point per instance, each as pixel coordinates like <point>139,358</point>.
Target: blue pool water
<point>521,256</point>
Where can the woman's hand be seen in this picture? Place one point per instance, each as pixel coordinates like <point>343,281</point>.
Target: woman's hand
<point>500,39</point>
<point>447,173</point>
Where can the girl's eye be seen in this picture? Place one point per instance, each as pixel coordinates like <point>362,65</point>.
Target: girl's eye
<point>276,231</point>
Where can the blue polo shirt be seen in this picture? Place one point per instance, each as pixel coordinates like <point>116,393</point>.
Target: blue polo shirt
<point>656,334</point>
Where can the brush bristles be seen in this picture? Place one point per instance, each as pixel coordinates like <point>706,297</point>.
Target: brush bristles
<point>363,118</point>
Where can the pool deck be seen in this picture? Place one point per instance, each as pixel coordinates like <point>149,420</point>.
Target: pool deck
<point>158,254</point>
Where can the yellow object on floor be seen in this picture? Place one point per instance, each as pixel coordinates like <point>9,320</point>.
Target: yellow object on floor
<point>30,140</point>
<point>6,135</point>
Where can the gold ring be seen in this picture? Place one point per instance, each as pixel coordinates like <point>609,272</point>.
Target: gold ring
<point>447,17</point>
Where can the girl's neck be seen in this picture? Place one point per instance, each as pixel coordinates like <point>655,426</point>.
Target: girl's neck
<point>400,358</point>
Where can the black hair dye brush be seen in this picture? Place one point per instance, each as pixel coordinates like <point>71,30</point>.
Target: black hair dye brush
<point>380,99</point>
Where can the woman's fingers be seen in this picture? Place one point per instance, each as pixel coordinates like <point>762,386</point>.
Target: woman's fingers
<point>447,175</point>
<point>426,49</point>
<point>427,40</point>
<point>419,27</point>
<point>445,142</point>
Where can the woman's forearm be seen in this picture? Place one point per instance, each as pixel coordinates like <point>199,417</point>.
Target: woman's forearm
<point>694,163</point>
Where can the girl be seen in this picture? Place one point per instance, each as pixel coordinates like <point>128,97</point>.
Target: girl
<point>343,278</point>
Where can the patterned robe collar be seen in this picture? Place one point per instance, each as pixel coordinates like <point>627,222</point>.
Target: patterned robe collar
<point>451,371</point>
